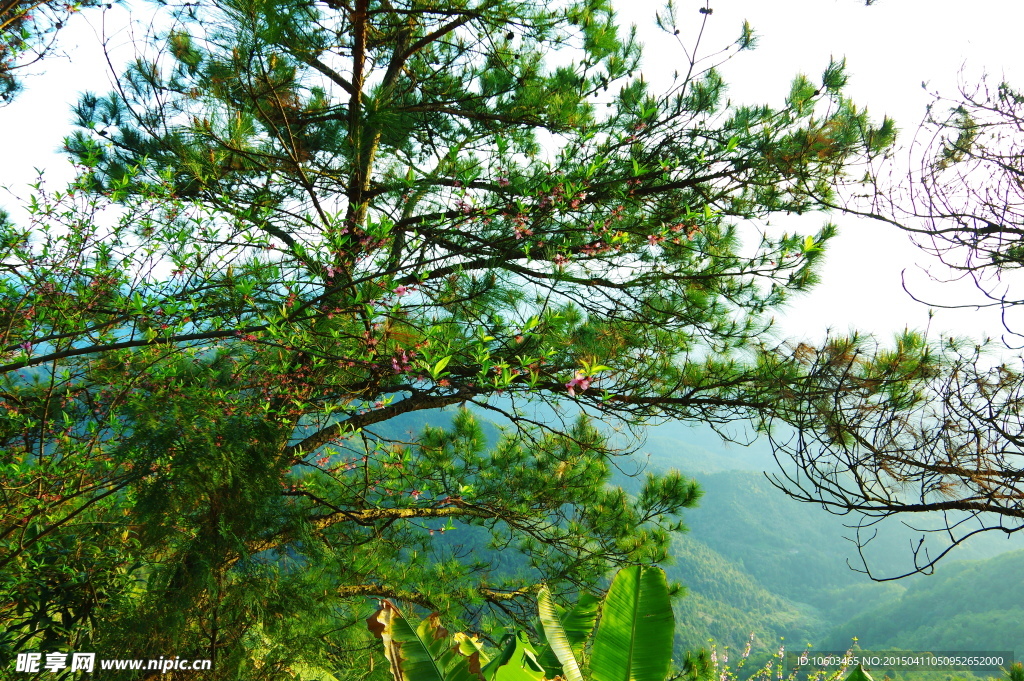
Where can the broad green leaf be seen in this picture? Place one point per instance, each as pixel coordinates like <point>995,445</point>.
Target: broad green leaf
<point>579,622</point>
<point>516,662</point>
<point>406,653</point>
<point>557,639</point>
<point>467,659</point>
<point>634,639</point>
<point>425,654</point>
<point>468,645</point>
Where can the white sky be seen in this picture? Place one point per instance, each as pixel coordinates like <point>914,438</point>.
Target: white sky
<point>891,47</point>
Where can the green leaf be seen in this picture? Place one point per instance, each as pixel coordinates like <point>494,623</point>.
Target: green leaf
<point>579,623</point>
<point>425,654</point>
<point>634,639</point>
<point>859,674</point>
<point>557,639</point>
<point>439,366</point>
<point>468,645</point>
<point>516,662</point>
<point>410,659</point>
<point>810,245</point>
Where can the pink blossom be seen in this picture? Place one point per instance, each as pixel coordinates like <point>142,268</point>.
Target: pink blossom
<point>400,363</point>
<point>654,239</point>
<point>561,260</point>
<point>503,182</point>
<point>581,382</point>
<point>521,231</point>
<point>402,290</point>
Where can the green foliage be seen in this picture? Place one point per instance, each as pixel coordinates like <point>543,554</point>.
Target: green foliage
<point>425,653</point>
<point>633,639</point>
<point>566,633</point>
<point>517,661</point>
<point>296,223</point>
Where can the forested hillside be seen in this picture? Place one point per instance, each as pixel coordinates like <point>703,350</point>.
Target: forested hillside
<point>726,604</point>
<point>971,605</point>
<point>754,560</point>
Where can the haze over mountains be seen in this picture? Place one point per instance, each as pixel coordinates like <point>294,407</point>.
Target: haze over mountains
<point>755,560</point>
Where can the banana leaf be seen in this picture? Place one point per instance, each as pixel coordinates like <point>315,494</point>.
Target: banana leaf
<point>553,623</point>
<point>425,654</point>
<point>516,662</point>
<point>634,637</point>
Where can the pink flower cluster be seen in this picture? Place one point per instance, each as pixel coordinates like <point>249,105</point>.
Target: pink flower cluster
<point>520,229</point>
<point>581,382</point>
<point>401,362</point>
<point>595,248</point>
<point>689,229</point>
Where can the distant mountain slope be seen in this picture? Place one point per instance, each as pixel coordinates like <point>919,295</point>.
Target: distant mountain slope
<point>802,552</point>
<point>973,605</point>
<point>726,604</point>
<point>699,449</point>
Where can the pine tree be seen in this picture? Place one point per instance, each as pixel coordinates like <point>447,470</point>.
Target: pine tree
<point>374,209</point>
